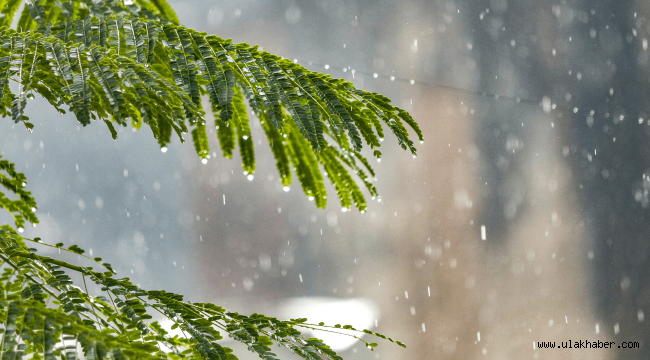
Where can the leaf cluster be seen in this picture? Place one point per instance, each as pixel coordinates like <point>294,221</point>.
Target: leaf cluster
<point>121,64</point>
<point>131,62</point>
<point>43,315</point>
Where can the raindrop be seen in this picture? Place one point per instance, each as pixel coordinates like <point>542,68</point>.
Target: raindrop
<point>215,16</point>
<point>421,141</point>
<point>546,104</point>
<point>575,110</point>
<point>625,283</point>
<point>311,198</point>
<point>412,81</point>
<point>286,189</point>
<point>327,67</point>
<point>250,177</point>
<point>163,149</point>
<point>20,230</point>
<point>245,137</point>
<point>392,78</point>
<point>204,161</point>
<point>33,209</point>
<point>344,209</point>
<point>378,159</point>
<point>375,75</point>
<point>292,15</point>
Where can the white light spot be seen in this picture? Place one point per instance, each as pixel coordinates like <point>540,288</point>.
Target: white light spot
<point>546,104</point>
<point>483,234</point>
<point>215,17</point>
<point>248,284</point>
<point>293,14</point>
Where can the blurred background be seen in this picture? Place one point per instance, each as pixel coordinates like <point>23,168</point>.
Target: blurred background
<point>524,217</point>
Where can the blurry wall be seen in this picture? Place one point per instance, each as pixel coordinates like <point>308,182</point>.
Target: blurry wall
<point>515,168</point>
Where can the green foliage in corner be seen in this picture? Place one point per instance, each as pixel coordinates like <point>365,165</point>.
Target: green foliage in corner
<point>44,316</point>
<point>131,62</point>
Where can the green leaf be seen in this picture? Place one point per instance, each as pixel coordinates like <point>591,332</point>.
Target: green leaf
<point>200,138</point>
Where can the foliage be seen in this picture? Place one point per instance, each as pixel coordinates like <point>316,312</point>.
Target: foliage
<point>132,62</point>
<point>44,315</point>
<point>120,63</point>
